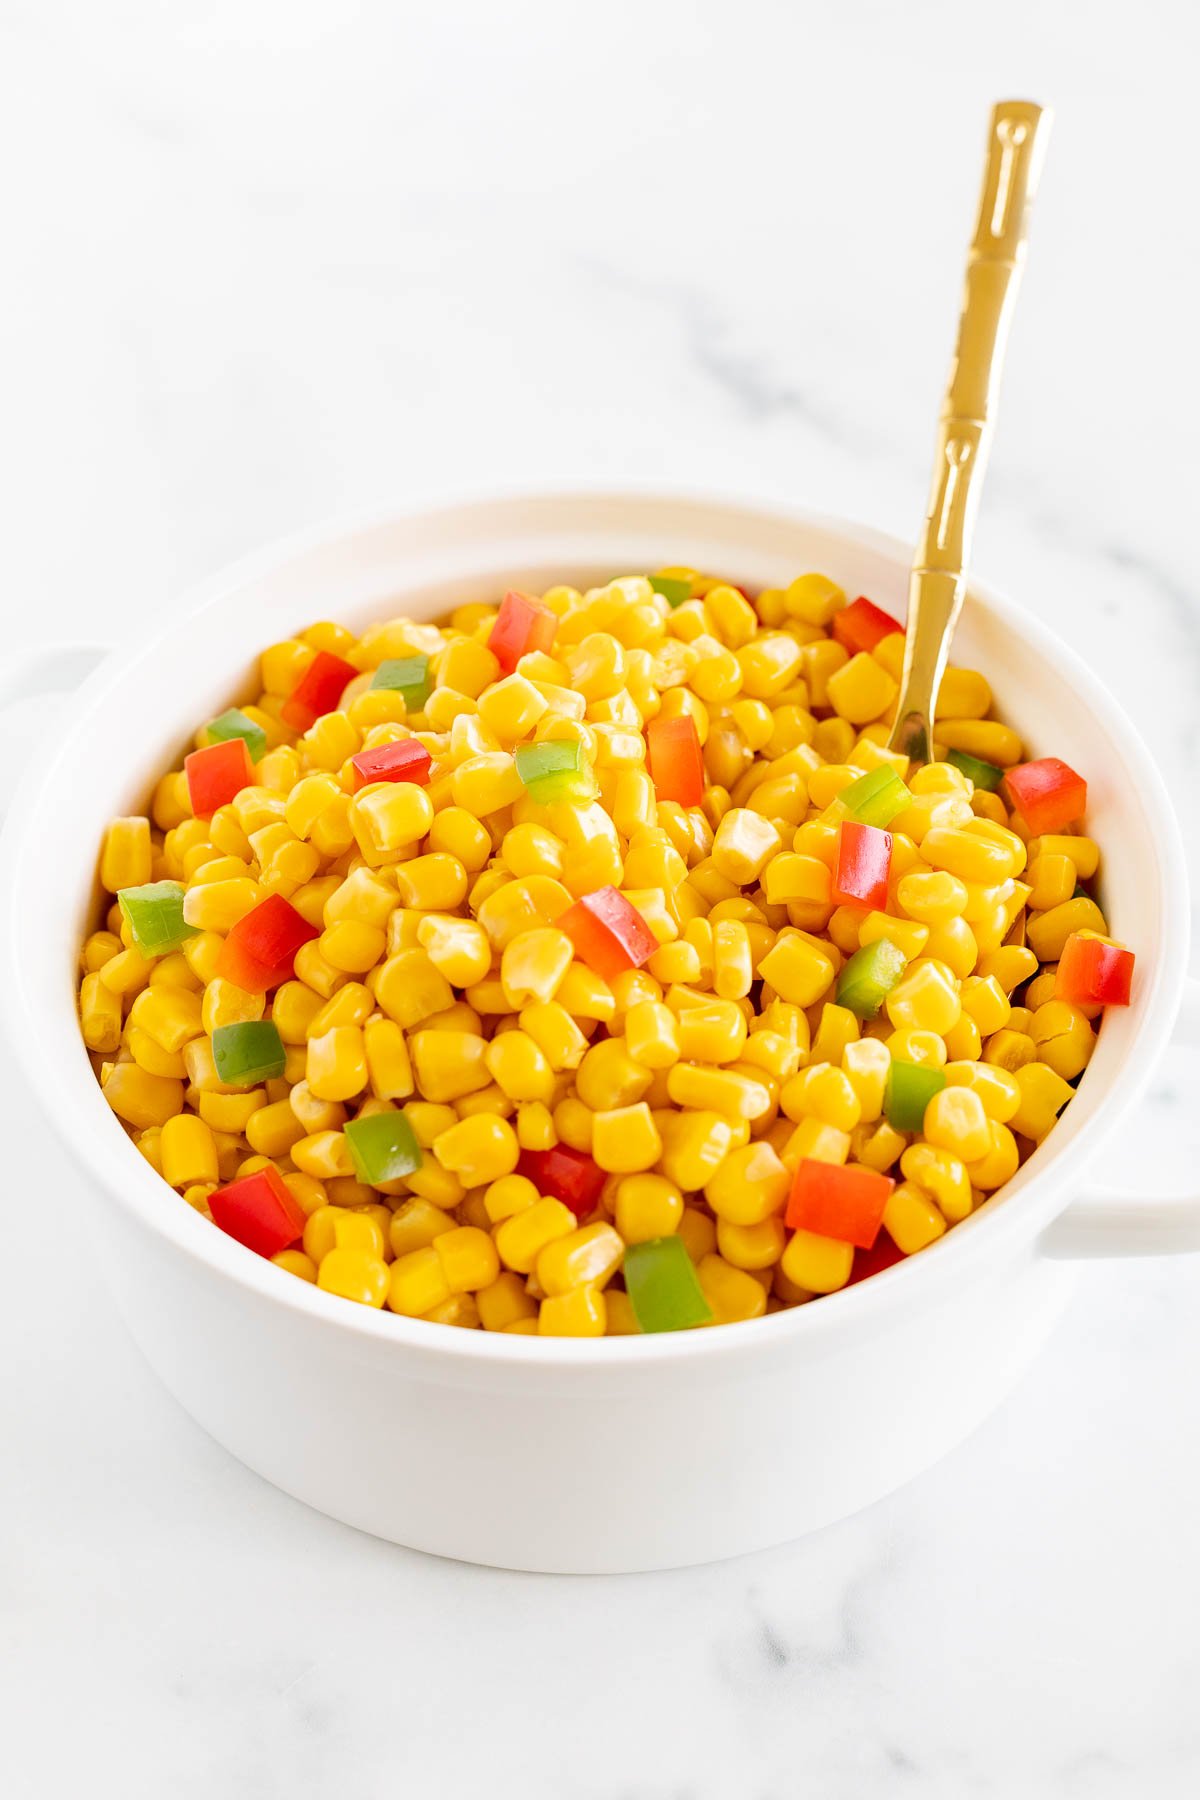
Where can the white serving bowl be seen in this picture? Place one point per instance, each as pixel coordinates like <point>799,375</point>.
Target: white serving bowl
<point>631,1453</point>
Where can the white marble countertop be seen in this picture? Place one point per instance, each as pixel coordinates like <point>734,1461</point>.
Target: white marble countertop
<point>275,261</point>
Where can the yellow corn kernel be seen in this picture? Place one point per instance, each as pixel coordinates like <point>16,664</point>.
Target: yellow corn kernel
<point>1084,852</point>
<point>127,857</point>
<point>647,1206</point>
<point>468,1259</point>
<point>1064,1038</point>
<point>511,708</point>
<point>417,1283</point>
<point>141,1099</point>
<point>517,906</point>
<point>911,1219</point>
<point>861,690</point>
<point>963,1042</point>
<point>533,964</point>
<point>733,1295</point>
<point>906,934</point>
<point>1048,932</point>
<point>293,1010</point>
<point>772,1052</point>
<point>728,1092</point>
<point>225,1003</point>
<point>504,1302</point>
<point>352,947</point>
<point>712,1031</point>
<point>580,1313</point>
<point>866,1065</point>
<point>822,1092</point>
<point>794,877</point>
<point>458,948</point>
<point>743,844</point>
<point>972,858</point>
<point>697,1233</point>
<point>651,1034</point>
<point>151,1056</point>
<point>815,1141</point>
<point>925,999</point>
<point>409,989</point>
<point>519,1067</point>
<point>982,738</point>
<point>218,905</point>
<point>757,1246</point>
<point>351,1005</point>
<point>751,1185</point>
<point>609,1077</point>
<point>1043,1094</point>
<point>1009,1050</point>
<point>486,783</point>
<point>985,1001</point>
<point>813,599</point>
<point>507,1196</point>
<point>479,1149</point>
<point>940,1175</point>
<point>588,1257</point>
<point>1052,879</point>
<point>389,816</point>
<point>169,1015</point>
<point>555,1033</point>
<point>955,1120</point>
<point>434,883</point>
<point>694,1146</point>
<point>999,1163</point>
<point>274,1130</point>
<point>188,1151</point>
<point>996,1087</point>
<point>295,1262</point>
<point>625,1139</point>
<point>231,1112</point>
<point>354,1275</point>
<point>521,1239</point>
<point>1040,991</point>
<point>336,1064</point>
<point>799,970</point>
<point>573,1123</point>
<point>459,833</point>
<point>100,1014</point>
<point>820,1265</point>
<point>100,948</point>
<point>535,1126</point>
<point>733,961</point>
<point>448,1064</point>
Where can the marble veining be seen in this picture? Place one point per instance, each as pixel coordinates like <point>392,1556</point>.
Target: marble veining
<point>273,262</point>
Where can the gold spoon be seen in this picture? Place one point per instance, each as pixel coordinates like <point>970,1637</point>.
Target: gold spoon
<point>1016,147</point>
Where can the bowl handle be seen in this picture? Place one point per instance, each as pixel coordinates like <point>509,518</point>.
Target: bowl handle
<point>1108,1223</point>
<point>41,669</point>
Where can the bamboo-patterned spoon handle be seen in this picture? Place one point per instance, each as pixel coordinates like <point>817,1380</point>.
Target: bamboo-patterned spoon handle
<point>1016,147</point>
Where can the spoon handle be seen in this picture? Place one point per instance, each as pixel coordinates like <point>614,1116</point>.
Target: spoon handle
<point>1016,146</point>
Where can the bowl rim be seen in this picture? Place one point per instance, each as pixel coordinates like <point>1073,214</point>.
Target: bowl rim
<point>130,1182</point>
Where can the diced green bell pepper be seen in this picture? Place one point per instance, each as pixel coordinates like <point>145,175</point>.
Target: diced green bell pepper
<point>675,589</point>
<point>155,915</point>
<point>248,1053</point>
<point>663,1287</point>
<point>869,977</point>
<point>554,770</point>
<point>985,775</point>
<point>877,797</point>
<point>235,724</point>
<point>907,1092</point>
<point>383,1147</point>
<point>409,675</point>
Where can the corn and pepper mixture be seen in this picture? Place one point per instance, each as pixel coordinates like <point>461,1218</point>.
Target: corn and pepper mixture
<point>589,965</point>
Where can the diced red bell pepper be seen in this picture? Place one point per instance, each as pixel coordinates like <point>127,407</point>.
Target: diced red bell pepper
<point>318,690</point>
<point>216,773</point>
<point>864,862</point>
<point>260,1211</point>
<point>1048,794</point>
<point>836,1201</point>
<point>403,760</point>
<point>564,1174</point>
<point>522,625</point>
<point>863,625</point>
<point>1092,973</point>
<point>260,950</point>
<point>883,1255</point>
<point>609,934</point>
<point>676,764</point>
